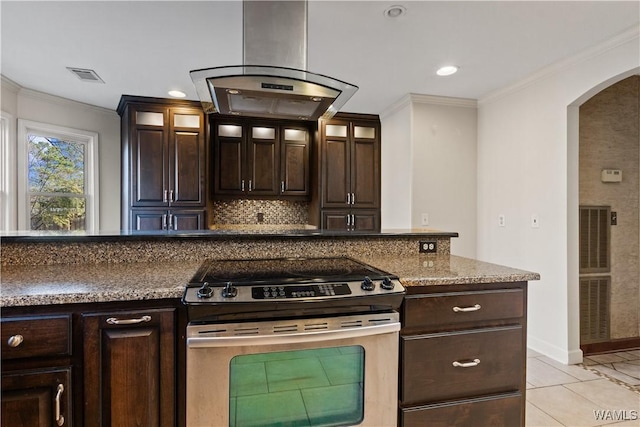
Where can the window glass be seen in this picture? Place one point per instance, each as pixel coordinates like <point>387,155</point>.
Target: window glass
<point>56,183</point>
<point>316,387</point>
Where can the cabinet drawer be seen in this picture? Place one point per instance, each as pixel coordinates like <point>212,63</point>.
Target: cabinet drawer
<point>36,336</point>
<point>488,361</point>
<point>501,410</point>
<point>430,311</point>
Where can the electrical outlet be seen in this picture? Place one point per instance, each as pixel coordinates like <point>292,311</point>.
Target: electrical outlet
<point>428,247</point>
<point>501,220</point>
<point>424,220</point>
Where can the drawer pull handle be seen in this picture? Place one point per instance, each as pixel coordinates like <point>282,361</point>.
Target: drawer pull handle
<point>467,309</point>
<point>116,321</point>
<point>474,362</point>
<point>15,340</point>
<point>59,417</point>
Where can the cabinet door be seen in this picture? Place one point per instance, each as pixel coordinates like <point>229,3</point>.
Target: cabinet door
<point>228,158</point>
<point>294,161</point>
<point>365,166</point>
<point>262,160</point>
<point>336,155</point>
<point>149,152</point>
<point>129,369</point>
<point>37,398</point>
<point>149,219</point>
<point>365,220</point>
<point>187,158</point>
<point>499,410</point>
<point>441,366</point>
<point>187,219</point>
<point>335,219</point>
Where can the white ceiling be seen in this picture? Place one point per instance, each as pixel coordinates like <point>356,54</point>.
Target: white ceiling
<point>148,47</point>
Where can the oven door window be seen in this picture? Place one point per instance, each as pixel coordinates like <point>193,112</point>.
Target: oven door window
<point>316,387</point>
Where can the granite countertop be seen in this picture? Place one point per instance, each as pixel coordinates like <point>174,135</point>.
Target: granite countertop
<point>82,283</point>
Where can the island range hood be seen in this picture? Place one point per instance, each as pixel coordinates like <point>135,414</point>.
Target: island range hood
<point>272,82</point>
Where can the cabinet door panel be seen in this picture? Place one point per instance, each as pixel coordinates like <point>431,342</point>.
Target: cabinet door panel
<point>365,220</point>
<point>229,166</point>
<point>149,168</point>
<point>501,410</point>
<point>295,169</point>
<point>129,369</point>
<point>189,170</point>
<point>40,336</point>
<point>263,165</point>
<point>29,398</point>
<point>429,373</point>
<point>437,310</point>
<point>335,175</point>
<point>148,220</point>
<point>365,173</point>
<point>188,220</point>
<point>334,219</point>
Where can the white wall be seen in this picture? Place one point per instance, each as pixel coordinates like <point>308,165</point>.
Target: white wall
<point>527,164</point>
<point>27,104</point>
<point>435,163</point>
<point>396,168</point>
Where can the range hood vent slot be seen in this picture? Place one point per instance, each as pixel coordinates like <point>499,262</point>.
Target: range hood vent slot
<point>272,82</point>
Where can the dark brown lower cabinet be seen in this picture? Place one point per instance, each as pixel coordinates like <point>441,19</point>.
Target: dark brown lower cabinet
<point>463,355</point>
<point>498,410</point>
<point>37,398</point>
<point>172,219</point>
<point>129,369</point>
<point>350,220</point>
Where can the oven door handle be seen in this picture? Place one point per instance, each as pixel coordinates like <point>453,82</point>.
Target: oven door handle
<point>288,338</point>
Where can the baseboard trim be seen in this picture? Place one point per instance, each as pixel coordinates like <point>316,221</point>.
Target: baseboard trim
<point>609,346</point>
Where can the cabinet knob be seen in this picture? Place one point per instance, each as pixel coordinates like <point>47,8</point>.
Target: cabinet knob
<point>15,340</point>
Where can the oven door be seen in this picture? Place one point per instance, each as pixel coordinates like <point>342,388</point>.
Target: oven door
<point>339,371</point>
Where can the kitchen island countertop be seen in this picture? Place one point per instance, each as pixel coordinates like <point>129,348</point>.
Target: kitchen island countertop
<point>30,285</point>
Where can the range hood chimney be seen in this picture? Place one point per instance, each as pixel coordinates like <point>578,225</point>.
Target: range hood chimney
<point>272,82</point>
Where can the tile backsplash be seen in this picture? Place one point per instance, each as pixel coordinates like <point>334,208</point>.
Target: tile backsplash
<point>269,212</point>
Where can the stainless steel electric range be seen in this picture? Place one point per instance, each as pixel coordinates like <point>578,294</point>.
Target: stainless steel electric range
<point>292,341</point>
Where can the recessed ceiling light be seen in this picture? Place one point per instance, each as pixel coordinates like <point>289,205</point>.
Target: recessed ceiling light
<point>447,70</point>
<point>177,93</point>
<point>395,11</point>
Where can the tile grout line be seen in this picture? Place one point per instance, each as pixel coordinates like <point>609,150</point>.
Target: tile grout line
<point>613,380</point>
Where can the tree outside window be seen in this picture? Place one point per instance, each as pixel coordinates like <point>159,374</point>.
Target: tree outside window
<point>56,182</point>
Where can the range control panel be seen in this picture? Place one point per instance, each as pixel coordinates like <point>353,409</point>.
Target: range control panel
<point>300,291</point>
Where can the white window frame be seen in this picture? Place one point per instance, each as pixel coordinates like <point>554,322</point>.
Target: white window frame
<point>92,181</point>
<point>8,213</point>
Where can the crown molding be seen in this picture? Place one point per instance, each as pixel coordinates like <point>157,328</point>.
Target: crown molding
<point>626,36</point>
<point>416,98</point>
<point>10,84</point>
<point>66,102</point>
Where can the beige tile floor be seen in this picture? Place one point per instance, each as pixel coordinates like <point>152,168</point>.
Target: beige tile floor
<point>561,395</point>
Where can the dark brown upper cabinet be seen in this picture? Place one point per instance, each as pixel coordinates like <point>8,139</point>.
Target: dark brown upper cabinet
<point>260,159</point>
<point>349,191</point>
<point>163,157</point>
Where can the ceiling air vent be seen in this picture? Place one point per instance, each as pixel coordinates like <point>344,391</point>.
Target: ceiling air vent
<point>86,75</point>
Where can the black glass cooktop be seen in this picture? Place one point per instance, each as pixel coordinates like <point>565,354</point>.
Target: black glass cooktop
<point>285,270</point>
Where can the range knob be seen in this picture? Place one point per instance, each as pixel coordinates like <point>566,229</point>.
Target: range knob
<point>205,291</point>
<point>229,291</point>
<point>367,284</point>
<point>387,284</point>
